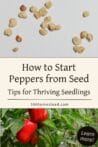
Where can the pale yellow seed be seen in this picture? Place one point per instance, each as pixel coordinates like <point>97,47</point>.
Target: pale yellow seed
<point>86,13</point>
<point>43,32</point>
<point>51,26</point>
<point>15,49</point>
<point>76,41</point>
<point>48,4</point>
<point>44,25</point>
<point>23,14</point>
<point>89,37</point>
<point>37,14</point>
<point>75,48</point>
<point>79,49</point>
<point>8,32</point>
<point>57,27</point>
<point>33,9</point>
<point>83,34</point>
<point>43,11</point>
<point>48,19</point>
<point>12,22</point>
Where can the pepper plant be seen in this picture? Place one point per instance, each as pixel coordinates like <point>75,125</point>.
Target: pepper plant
<point>45,127</point>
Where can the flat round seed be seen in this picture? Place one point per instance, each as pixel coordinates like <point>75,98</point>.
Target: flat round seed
<point>75,48</point>
<point>33,9</point>
<point>85,14</point>
<point>43,32</point>
<point>37,15</point>
<point>48,4</point>
<point>15,49</point>
<point>44,25</point>
<point>57,27</point>
<point>76,41</point>
<point>79,49</point>
<point>23,14</point>
<point>48,19</point>
<point>51,26</point>
<point>12,22</point>
<point>8,32</point>
<point>89,37</point>
<point>43,11</point>
<point>23,8</point>
<point>18,38</point>
<point>83,34</point>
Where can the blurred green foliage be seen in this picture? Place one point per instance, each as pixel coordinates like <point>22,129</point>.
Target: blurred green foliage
<point>60,130</point>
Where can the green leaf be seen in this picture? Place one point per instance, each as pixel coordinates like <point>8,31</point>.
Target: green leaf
<point>16,126</point>
<point>59,137</point>
<point>1,131</point>
<point>82,112</point>
<point>68,122</point>
<point>71,141</point>
<point>41,143</point>
<point>50,123</point>
<point>4,112</point>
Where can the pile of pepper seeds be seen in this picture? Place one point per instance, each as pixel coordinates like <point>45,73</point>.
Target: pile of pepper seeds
<point>45,26</point>
<point>77,41</point>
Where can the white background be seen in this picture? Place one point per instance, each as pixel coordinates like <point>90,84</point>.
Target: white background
<point>14,67</point>
<point>68,13</point>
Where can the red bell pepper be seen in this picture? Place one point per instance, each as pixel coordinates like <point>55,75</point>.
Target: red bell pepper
<point>35,138</point>
<point>25,133</point>
<point>38,115</point>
